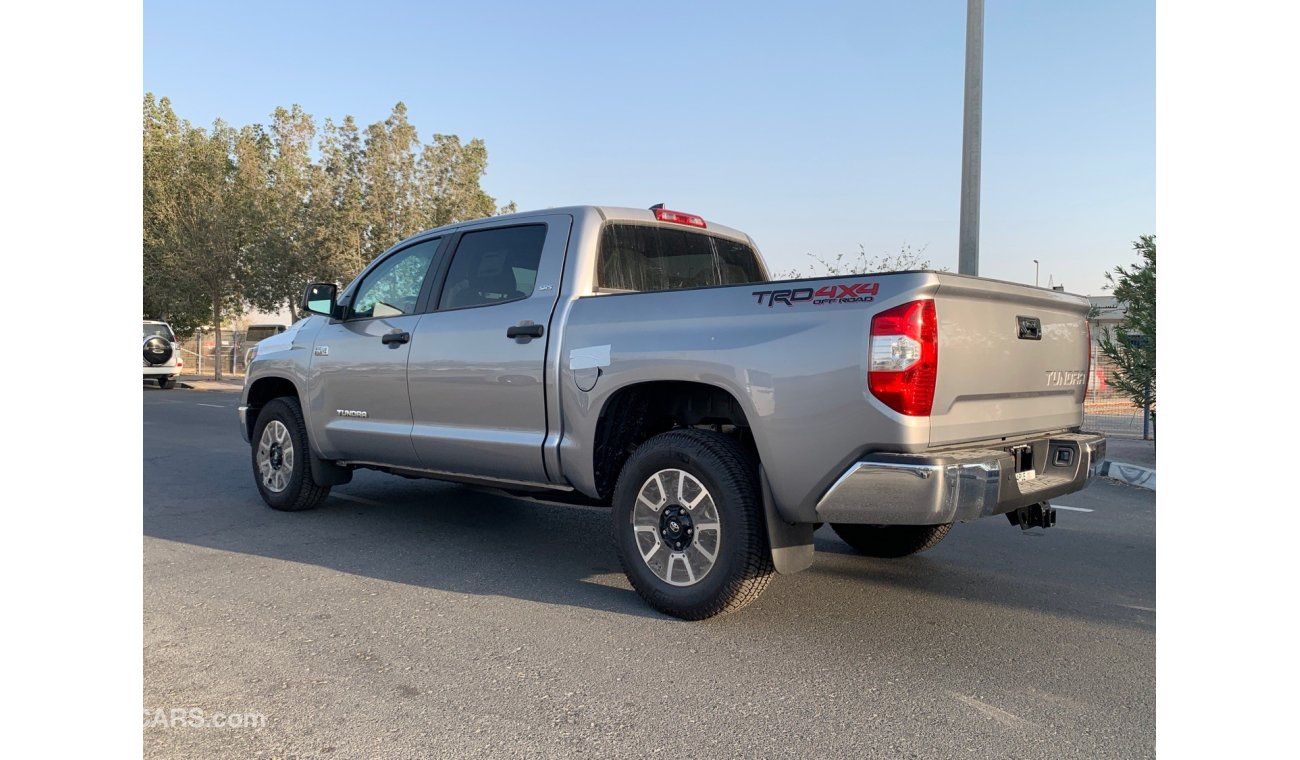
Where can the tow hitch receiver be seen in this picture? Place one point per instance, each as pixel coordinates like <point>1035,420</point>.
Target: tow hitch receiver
<point>1039,515</point>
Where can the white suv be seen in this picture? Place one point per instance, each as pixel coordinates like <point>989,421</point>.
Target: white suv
<point>162,355</point>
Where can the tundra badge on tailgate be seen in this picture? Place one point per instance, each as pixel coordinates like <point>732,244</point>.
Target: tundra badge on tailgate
<point>1065,377</point>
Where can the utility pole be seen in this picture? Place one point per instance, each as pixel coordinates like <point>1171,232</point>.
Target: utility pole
<point>968,251</point>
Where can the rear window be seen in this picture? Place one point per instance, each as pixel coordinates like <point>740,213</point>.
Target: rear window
<point>162,331</point>
<point>643,257</point>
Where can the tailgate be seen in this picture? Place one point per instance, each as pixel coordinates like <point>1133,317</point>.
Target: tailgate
<point>1012,360</point>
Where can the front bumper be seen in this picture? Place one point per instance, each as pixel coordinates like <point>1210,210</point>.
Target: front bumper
<point>959,485</point>
<point>243,423</point>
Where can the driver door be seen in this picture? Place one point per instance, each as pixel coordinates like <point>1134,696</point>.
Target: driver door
<point>358,364</point>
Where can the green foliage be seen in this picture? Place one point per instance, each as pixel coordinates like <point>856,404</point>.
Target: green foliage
<point>200,216</point>
<point>907,259</point>
<point>247,217</point>
<point>169,290</point>
<point>1133,348</point>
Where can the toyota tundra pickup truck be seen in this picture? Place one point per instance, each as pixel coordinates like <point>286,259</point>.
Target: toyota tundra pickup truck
<point>643,360</point>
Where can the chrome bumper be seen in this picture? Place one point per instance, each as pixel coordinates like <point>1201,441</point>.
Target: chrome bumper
<point>960,485</point>
<point>243,423</point>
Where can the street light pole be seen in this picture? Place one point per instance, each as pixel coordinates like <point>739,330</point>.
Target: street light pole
<point>1035,272</point>
<point>968,250</point>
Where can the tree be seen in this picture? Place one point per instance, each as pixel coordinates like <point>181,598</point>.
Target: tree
<point>1132,349</point>
<point>168,292</point>
<point>907,259</point>
<point>448,177</point>
<point>248,216</point>
<point>389,181</point>
<point>336,209</point>
<point>284,257</point>
<point>201,210</point>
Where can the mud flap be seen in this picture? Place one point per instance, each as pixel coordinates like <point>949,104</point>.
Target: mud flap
<point>327,473</point>
<point>792,543</point>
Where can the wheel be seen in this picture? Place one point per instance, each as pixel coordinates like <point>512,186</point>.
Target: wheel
<point>166,383</point>
<point>688,524</point>
<point>280,458</point>
<point>891,540</point>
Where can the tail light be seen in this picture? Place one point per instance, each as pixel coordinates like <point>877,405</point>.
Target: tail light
<point>904,360</point>
<point>677,217</point>
<point>1087,374</point>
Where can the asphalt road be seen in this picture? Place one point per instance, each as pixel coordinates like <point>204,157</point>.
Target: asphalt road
<point>418,619</point>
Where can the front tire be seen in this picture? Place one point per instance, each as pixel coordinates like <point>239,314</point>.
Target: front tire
<point>891,541</point>
<point>688,524</point>
<point>281,458</point>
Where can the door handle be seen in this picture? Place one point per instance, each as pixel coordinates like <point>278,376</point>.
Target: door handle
<point>396,337</point>
<point>524,331</point>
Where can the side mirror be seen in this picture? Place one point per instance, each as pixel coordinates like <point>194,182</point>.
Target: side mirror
<point>320,298</point>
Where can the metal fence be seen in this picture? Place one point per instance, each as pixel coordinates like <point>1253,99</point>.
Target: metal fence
<point>1105,410</point>
<point>201,354</point>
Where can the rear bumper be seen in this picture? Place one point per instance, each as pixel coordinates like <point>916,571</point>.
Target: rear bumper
<point>959,485</point>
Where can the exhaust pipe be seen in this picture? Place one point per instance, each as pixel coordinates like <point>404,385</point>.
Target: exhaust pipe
<point>1040,515</point>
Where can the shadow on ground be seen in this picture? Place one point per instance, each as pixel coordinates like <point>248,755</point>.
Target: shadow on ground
<point>199,490</point>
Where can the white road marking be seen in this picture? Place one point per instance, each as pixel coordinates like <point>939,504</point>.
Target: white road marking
<point>1072,509</point>
<point>215,406</point>
<point>1001,716</point>
<point>1137,607</point>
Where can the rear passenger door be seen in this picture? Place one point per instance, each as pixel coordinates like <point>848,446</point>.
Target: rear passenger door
<point>476,366</point>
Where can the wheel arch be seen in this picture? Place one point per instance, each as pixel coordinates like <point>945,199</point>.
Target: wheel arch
<point>262,392</point>
<point>638,411</point>
<point>266,389</point>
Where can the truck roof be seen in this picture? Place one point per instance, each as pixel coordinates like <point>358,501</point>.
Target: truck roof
<point>606,213</point>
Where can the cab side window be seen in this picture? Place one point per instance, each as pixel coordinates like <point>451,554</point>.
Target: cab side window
<point>494,266</point>
<point>393,288</point>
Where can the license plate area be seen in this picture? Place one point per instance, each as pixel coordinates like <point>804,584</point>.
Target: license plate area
<point>1023,459</point>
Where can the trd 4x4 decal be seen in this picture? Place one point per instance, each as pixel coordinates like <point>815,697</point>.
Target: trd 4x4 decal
<point>857,292</point>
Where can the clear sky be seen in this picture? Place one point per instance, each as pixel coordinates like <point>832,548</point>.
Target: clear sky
<point>813,126</point>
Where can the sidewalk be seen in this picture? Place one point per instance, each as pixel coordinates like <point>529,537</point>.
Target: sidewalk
<point>208,383</point>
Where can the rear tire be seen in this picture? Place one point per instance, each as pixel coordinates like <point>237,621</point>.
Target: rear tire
<point>688,524</point>
<point>166,383</point>
<point>282,459</point>
<point>891,541</point>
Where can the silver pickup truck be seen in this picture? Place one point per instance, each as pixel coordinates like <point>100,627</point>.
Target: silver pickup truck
<point>643,360</point>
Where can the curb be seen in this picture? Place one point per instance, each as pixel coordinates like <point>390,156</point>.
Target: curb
<point>1142,477</point>
<point>207,385</point>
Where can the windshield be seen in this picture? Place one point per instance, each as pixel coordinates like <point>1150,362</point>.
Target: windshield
<point>644,257</point>
<point>163,331</point>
